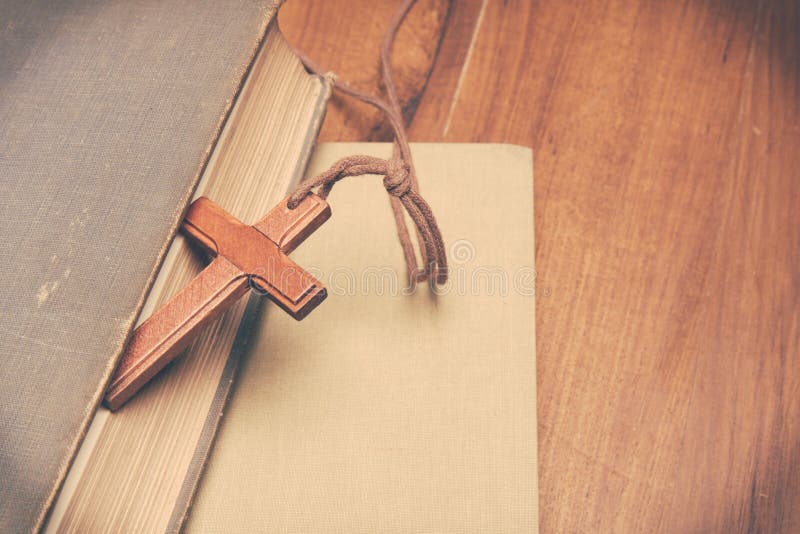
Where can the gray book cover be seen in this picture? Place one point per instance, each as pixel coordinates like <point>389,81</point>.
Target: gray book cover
<point>108,113</point>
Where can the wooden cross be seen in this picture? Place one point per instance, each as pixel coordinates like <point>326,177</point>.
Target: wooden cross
<point>245,256</point>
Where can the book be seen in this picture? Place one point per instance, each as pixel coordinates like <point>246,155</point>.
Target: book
<point>109,113</point>
<point>384,411</point>
<point>139,466</point>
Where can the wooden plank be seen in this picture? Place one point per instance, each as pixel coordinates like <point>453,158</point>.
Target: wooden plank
<point>665,139</point>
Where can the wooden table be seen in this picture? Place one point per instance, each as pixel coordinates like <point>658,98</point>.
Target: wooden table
<point>666,140</point>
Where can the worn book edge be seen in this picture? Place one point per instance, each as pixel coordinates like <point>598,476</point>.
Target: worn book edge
<point>248,322</point>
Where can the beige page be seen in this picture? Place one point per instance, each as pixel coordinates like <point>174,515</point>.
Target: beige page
<point>384,412</point>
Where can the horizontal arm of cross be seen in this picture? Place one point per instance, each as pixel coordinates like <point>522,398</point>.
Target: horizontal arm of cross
<point>260,250</point>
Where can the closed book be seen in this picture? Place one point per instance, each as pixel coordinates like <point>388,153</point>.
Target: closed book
<point>110,115</point>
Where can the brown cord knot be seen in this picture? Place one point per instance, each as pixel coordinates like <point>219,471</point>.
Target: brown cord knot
<point>399,175</point>
<point>397,180</point>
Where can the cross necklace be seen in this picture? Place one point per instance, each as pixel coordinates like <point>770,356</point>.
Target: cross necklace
<point>244,257</point>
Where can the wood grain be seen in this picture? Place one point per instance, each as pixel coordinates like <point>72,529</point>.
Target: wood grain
<point>666,149</point>
<point>350,47</point>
